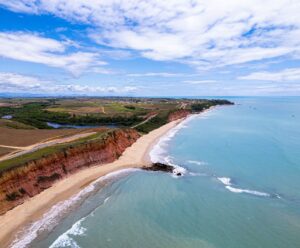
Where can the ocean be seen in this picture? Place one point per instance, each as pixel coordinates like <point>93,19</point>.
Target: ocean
<point>240,188</point>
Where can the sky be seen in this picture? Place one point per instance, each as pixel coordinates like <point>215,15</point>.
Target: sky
<point>150,47</point>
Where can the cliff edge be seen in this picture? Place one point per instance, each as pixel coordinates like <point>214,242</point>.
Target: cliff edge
<point>30,178</point>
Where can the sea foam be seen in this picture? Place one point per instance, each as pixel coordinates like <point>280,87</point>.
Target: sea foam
<point>228,185</point>
<point>248,191</point>
<point>196,162</point>
<point>65,240</point>
<point>52,217</point>
<point>225,180</point>
<point>177,169</point>
<point>159,150</point>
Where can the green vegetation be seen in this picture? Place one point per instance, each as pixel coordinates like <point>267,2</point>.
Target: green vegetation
<point>146,114</point>
<point>98,111</point>
<point>14,124</point>
<point>130,107</point>
<point>155,122</point>
<point>34,114</point>
<point>162,117</point>
<point>200,106</point>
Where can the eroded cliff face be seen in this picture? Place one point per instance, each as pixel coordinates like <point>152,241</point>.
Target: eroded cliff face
<point>178,114</point>
<point>29,179</point>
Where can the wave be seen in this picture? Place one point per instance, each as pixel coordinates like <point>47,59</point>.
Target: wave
<point>52,217</point>
<point>228,185</point>
<point>225,180</point>
<point>106,199</point>
<point>158,152</point>
<point>194,174</point>
<point>65,240</point>
<point>248,191</point>
<point>177,169</point>
<point>206,114</point>
<point>196,162</point>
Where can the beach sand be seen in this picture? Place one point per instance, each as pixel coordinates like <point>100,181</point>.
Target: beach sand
<point>31,210</point>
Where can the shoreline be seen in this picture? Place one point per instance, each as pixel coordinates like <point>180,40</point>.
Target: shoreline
<point>135,156</point>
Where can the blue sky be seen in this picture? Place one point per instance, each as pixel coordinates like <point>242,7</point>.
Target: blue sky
<point>150,48</point>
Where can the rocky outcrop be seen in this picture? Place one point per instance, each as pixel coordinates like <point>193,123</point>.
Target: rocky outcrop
<point>178,114</point>
<point>29,179</point>
<point>163,167</point>
<point>159,167</point>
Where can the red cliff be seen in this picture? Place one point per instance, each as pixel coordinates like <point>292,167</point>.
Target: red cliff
<point>29,179</point>
<point>178,114</point>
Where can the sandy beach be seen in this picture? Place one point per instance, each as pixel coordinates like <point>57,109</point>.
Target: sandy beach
<point>135,156</point>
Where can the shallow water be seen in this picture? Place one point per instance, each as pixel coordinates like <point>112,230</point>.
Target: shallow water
<point>241,187</point>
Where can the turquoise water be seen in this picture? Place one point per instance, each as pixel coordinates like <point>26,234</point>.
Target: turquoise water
<point>241,187</point>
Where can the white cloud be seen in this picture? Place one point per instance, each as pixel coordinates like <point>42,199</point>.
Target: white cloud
<point>27,6</point>
<point>13,82</point>
<point>204,34</point>
<point>291,74</point>
<point>34,48</point>
<point>156,74</point>
<point>200,81</point>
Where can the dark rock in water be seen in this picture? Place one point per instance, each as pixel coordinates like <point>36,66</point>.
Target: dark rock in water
<point>160,167</point>
<point>178,174</point>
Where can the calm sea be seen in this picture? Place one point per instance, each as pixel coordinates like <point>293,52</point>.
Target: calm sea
<point>241,188</point>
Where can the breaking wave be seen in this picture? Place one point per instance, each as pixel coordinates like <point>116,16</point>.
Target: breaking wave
<point>197,162</point>
<point>159,150</point>
<point>228,185</point>
<point>52,217</point>
<point>66,240</point>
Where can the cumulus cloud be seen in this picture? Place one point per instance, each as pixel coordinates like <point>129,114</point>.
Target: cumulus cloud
<point>13,82</point>
<point>31,47</point>
<point>204,34</point>
<point>291,74</point>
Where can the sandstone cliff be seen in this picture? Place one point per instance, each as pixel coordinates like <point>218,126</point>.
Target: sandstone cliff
<point>30,178</point>
<point>178,114</point>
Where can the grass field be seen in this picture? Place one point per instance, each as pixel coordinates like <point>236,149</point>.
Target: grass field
<point>98,107</point>
<point>14,124</point>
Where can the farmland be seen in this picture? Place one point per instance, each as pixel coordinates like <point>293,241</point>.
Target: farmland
<point>36,112</point>
<point>26,123</point>
<point>26,137</point>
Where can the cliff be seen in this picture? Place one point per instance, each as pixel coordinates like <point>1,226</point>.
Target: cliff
<point>178,114</point>
<point>30,178</point>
